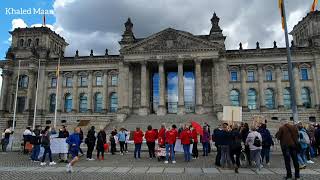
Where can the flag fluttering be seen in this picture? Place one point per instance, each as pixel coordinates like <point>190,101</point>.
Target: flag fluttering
<point>314,5</point>
<point>281,12</point>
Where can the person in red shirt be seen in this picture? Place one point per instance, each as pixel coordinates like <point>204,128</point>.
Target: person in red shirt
<point>151,137</point>
<point>137,139</point>
<point>174,129</point>
<point>185,137</point>
<point>170,140</point>
<point>161,136</point>
<point>195,153</point>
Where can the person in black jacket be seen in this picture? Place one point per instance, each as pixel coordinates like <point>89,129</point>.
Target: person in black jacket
<point>217,138</point>
<point>81,141</point>
<point>235,147</point>
<point>90,141</point>
<point>244,134</point>
<point>113,141</point>
<point>267,142</point>
<point>36,141</point>
<point>63,133</point>
<point>101,140</point>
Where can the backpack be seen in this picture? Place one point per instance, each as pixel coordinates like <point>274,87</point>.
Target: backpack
<point>257,142</point>
<point>304,138</point>
<point>45,141</point>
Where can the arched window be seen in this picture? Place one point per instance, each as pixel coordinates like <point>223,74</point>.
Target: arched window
<point>83,103</point>
<point>29,42</point>
<point>37,42</point>
<point>23,81</point>
<point>113,102</point>
<point>269,99</point>
<point>252,99</point>
<point>52,102</point>
<point>98,102</point>
<point>21,43</point>
<point>286,98</point>
<point>235,97</point>
<point>68,103</point>
<point>305,96</point>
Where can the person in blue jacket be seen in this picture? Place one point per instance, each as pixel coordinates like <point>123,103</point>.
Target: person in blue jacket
<point>267,142</point>
<point>74,144</point>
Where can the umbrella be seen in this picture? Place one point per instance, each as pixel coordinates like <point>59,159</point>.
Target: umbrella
<point>197,126</point>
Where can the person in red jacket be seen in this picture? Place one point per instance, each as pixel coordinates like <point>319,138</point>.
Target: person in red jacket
<point>161,136</point>
<point>175,130</point>
<point>151,137</point>
<point>185,137</point>
<point>195,153</point>
<point>170,140</point>
<point>137,139</point>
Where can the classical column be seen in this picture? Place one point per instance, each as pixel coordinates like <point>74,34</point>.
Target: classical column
<point>162,89</point>
<point>315,85</point>
<point>244,97</point>
<point>4,88</point>
<point>42,91</point>
<point>90,91</point>
<point>181,108</point>
<point>105,92</point>
<point>296,75</point>
<point>126,71</point>
<point>31,87</point>
<point>75,92</point>
<point>199,107</point>
<point>261,89</point>
<point>144,110</point>
<point>279,87</point>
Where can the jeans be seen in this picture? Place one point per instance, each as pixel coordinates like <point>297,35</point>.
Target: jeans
<point>218,156</point>
<point>247,151</point>
<point>170,149</point>
<point>90,150</point>
<point>235,152</point>
<point>195,153</point>
<point>113,148</point>
<point>151,148</point>
<point>302,159</point>
<point>5,144</point>
<point>186,151</point>
<point>47,150</point>
<point>122,146</point>
<point>205,146</point>
<point>256,157</point>
<point>225,155</point>
<point>35,152</point>
<point>265,153</point>
<point>290,152</point>
<point>137,149</point>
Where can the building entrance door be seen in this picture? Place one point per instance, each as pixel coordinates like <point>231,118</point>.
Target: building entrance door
<point>172,92</point>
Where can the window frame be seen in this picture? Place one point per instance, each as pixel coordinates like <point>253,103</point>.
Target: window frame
<point>232,73</point>
<point>251,78</point>
<point>303,76</point>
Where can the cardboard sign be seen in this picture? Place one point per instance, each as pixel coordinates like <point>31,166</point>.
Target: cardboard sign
<point>232,114</point>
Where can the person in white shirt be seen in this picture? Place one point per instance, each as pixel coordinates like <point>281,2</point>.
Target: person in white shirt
<point>254,140</point>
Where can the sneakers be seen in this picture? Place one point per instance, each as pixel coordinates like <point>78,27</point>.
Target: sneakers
<point>268,164</point>
<point>52,163</point>
<point>91,159</point>
<point>43,164</point>
<point>310,162</point>
<point>173,162</point>
<point>166,162</point>
<point>68,168</point>
<point>88,159</point>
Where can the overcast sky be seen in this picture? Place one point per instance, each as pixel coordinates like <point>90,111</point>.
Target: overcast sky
<point>98,24</point>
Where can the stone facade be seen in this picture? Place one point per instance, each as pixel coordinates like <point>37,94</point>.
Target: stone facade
<point>112,87</point>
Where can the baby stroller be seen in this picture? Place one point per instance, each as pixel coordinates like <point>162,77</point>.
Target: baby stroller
<point>161,153</point>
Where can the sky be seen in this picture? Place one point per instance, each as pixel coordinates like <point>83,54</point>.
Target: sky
<point>98,24</point>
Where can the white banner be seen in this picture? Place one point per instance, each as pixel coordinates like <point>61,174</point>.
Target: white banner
<point>57,145</point>
<point>179,147</point>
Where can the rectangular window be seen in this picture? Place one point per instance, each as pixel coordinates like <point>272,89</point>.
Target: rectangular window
<point>234,76</point>
<point>53,82</point>
<point>83,81</point>
<point>304,74</point>
<point>114,80</point>
<point>68,82</point>
<point>21,104</point>
<point>250,76</point>
<point>285,75</point>
<point>98,81</point>
<point>269,75</point>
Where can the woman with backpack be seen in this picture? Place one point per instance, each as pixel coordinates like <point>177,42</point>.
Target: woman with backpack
<point>254,140</point>
<point>235,147</point>
<point>267,142</point>
<point>45,143</point>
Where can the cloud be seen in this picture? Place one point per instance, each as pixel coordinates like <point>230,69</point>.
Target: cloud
<point>18,23</point>
<point>98,24</point>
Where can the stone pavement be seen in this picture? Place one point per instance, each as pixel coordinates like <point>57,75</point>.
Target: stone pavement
<point>14,165</point>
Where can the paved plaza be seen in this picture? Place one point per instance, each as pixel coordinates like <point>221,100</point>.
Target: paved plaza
<point>14,165</point>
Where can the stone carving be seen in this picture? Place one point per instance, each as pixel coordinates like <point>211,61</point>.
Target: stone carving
<point>275,44</point>
<point>240,46</point>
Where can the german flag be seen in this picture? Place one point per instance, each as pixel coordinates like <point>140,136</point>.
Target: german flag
<point>281,12</point>
<point>314,5</point>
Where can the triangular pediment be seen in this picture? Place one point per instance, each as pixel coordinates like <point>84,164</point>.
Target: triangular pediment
<point>170,40</point>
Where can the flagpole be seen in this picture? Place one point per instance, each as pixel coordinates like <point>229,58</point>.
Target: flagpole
<point>15,99</point>
<point>57,91</point>
<point>291,81</point>
<point>36,98</point>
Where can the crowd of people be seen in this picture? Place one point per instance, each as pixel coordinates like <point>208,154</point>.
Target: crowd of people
<point>232,141</point>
